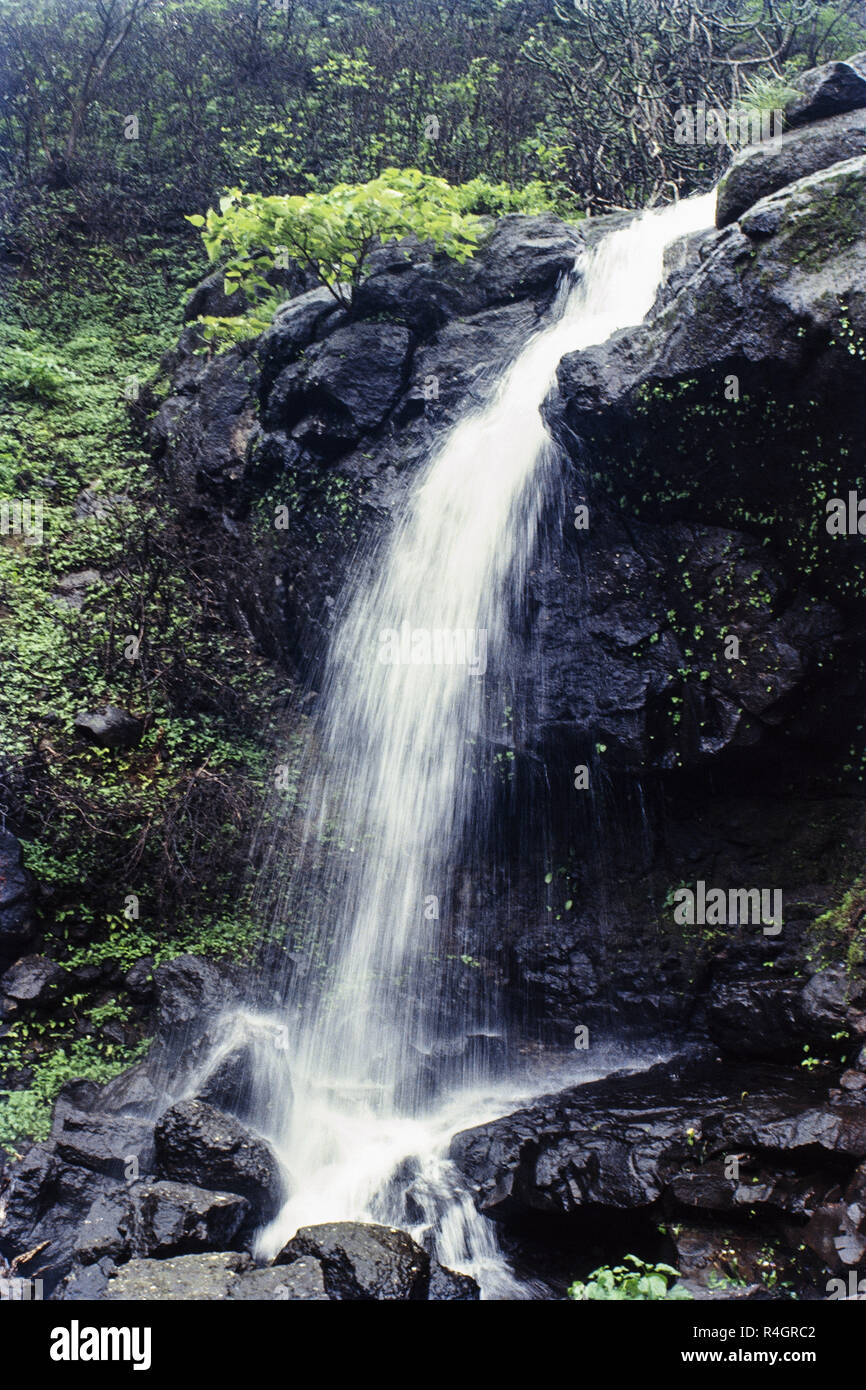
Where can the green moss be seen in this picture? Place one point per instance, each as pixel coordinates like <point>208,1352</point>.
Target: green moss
<point>838,936</point>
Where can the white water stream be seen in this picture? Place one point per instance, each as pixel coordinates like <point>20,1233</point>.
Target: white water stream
<point>410,702</point>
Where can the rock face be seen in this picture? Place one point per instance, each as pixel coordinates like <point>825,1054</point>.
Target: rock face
<point>625,1141</point>
<point>17,927</point>
<point>34,981</point>
<point>762,309</point>
<point>333,412</point>
<point>693,1143</point>
<point>765,168</point>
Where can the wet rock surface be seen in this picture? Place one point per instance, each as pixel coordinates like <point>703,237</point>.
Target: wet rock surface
<point>828,90</point>
<point>196,1143</point>
<point>765,168</point>
<point>17,925</point>
<point>367,1263</point>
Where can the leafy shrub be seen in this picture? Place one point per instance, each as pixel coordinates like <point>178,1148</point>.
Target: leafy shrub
<point>633,1280</point>
<point>329,234</point>
<point>33,375</point>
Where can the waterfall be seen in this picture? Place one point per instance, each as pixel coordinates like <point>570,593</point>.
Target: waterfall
<point>410,709</point>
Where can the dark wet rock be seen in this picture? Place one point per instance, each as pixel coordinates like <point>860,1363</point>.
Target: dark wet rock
<point>210,298</point>
<point>834,1000</point>
<point>230,1086</point>
<point>466,357</point>
<point>189,1277</point>
<point>35,981</point>
<point>828,90</point>
<point>765,168</point>
<point>109,727</point>
<point>447,1286</point>
<point>757,1017</point>
<point>210,433</point>
<point>342,388</point>
<point>620,1142</point>
<point>196,1143</point>
<point>418,296</point>
<point>615,612</point>
<point>17,926</point>
<point>756,1188</point>
<point>296,324</point>
<point>301,1281</point>
<point>105,1232</point>
<point>177,1218</point>
<point>86,1283</point>
<point>750,298</point>
<point>108,1144</point>
<point>42,1208</point>
<point>526,256</point>
<point>721,1263</point>
<point>363,1262</point>
<point>615,650</point>
<point>189,991</point>
<point>133,1092</point>
<point>139,980</point>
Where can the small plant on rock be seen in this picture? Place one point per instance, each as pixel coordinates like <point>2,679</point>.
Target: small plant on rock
<point>634,1280</point>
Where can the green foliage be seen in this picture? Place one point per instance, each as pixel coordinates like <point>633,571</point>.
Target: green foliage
<point>763,94</point>
<point>634,1280</point>
<point>330,234</point>
<point>838,936</point>
<point>497,199</point>
<point>32,374</point>
<point>52,1057</point>
<point>167,820</point>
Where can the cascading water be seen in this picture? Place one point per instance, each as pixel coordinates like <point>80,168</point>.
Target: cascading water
<point>413,694</point>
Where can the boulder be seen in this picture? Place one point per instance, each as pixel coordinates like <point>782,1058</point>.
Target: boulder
<point>421,297</point>
<point>206,437</point>
<point>35,981</point>
<point>178,1218</point>
<point>755,297</point>
<point>196,1143</point>
<point>828,90</point>
<point>363,1262</point>
<point>205,1278</point>
<point>42,1209</point>
<point>209,298</point>
<point>447,1286</point>
<point>190,990</point>
<point>133,1092</point>
<point>296,324</point>
<point>764,168</point>
<point>109,727</point>
<point>231,1084</point>
<point>85,1283</point>
<point>110,1144</point>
